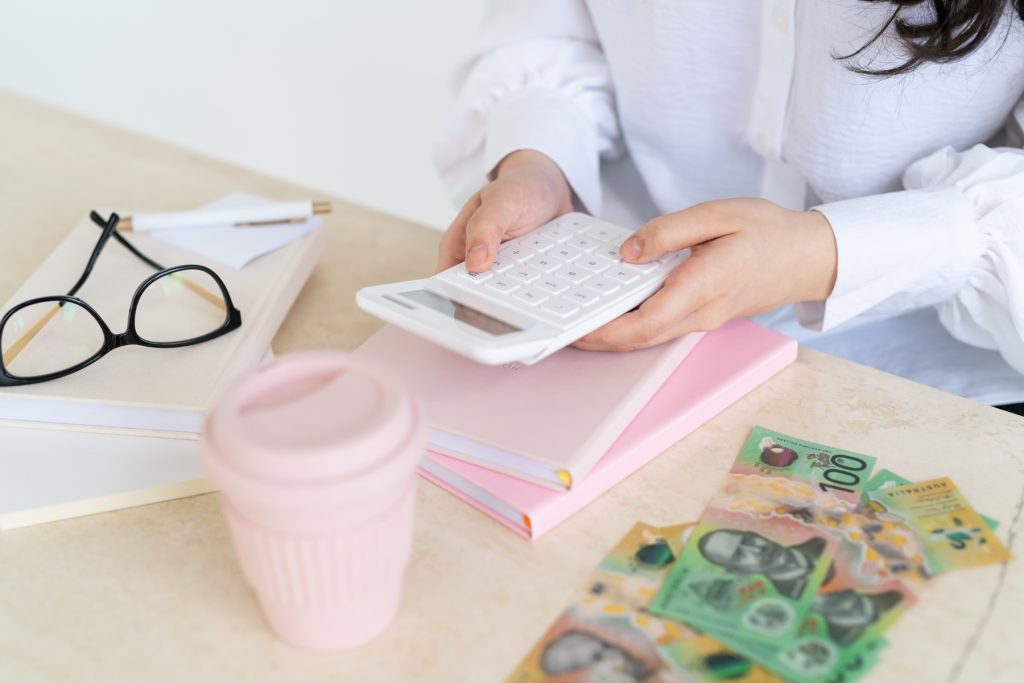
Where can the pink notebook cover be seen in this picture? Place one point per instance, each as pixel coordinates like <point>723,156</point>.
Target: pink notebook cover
<point>543,422</point>
<point>726,365</point>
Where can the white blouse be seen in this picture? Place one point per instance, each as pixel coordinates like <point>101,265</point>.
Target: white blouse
<point>734,98</point>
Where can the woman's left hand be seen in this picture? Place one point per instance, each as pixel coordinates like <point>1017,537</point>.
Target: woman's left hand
<point>748,256</point>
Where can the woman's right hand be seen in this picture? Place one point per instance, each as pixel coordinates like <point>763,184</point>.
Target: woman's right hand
<point>528,190</point>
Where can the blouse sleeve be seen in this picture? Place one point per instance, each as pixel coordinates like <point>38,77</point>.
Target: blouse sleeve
<point>537,80</point>
<point>953,239</point>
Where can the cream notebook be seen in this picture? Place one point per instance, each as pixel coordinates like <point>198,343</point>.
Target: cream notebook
<point>51,474</point>
<point>163,390</point>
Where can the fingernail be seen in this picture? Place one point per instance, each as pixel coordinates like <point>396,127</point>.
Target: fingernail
<point>476,255</point>
<point>631,248</point>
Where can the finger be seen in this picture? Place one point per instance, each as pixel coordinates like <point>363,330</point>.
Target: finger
<point>659,318</point>
<point>484,231</point>
<point>701,320</point>
<point>676,231</point>
<point>453,243</point>
<point>634,330</point>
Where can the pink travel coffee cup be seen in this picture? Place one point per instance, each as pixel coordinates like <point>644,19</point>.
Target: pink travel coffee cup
<point>315,456</point>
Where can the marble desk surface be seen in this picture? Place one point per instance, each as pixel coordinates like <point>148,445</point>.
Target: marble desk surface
<point>154,593</point>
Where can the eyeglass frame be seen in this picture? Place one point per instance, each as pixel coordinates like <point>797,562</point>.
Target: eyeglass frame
<point>130,337</point>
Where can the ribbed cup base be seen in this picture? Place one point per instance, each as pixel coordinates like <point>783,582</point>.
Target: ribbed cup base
<point>327,592</point>
<point>332,628</point>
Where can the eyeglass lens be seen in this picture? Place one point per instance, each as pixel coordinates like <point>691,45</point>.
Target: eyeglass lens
<point>180,306</point>
<point>48,337</point>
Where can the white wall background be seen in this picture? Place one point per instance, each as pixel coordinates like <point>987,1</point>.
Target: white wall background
<point>345,96</point>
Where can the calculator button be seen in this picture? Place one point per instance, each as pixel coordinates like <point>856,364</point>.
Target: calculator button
<point>602,285</point>
<point>583,297</point>
<point>560,308</point>
<point>516,252</point>
<point>465,275</point>
<point>575,223</point>
<point>538,243</point>
<point>556,233</point>
<point>623,275</point>
<point>565,253</point>
<point>552,285</point>
<point>595,264</point>
<point>530,296</point>
<point>609,233</point>
<point>524,273</point>
<point>502,284</point>
<point>572,274</point>
<point>642,267</point>
<point>584,243</point>
<point>609,252</point>
<point>500,265</point>
<point>545,263</point>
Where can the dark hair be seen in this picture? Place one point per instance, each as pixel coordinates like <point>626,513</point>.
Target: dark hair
<point>954,29</point>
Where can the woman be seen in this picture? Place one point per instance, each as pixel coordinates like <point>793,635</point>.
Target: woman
<point>897,123</point>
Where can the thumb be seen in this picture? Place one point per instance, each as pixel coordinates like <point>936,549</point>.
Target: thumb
<point>484,232</point>
<point>676,231</point>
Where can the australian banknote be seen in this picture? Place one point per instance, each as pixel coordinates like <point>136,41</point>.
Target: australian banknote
<point>756,561</point>
<point>951,532</point>
<point>607,636</point>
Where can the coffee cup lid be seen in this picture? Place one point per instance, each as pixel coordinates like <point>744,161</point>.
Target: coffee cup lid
<point>312,416</point>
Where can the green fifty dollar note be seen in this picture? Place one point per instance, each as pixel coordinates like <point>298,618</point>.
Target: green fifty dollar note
<point>754,565</point>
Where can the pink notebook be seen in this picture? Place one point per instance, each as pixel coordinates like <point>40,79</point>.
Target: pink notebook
<point>549,423</point>
<point>726,365</point>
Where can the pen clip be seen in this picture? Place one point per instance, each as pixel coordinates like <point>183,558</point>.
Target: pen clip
<point>257,224</point>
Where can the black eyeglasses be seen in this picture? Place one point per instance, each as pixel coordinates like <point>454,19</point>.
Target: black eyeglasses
<point>53,336</point>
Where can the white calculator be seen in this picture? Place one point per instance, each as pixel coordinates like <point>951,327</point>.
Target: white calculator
<point>544,291</point>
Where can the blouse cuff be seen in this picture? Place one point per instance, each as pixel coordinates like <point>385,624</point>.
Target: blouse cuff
<point>551,122</point>
<point>896,252</point>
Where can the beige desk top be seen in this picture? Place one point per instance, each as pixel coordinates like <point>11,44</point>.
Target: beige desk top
<point>154,593</point>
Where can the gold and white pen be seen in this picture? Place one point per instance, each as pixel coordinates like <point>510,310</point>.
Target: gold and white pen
<point>245,216</point>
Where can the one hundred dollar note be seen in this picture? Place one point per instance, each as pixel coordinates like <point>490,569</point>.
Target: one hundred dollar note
<point>608,635</point>
<point>953,535</point>
<point>755,563</point>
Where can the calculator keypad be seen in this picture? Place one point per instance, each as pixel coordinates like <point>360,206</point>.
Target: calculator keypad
<point>563,270</point>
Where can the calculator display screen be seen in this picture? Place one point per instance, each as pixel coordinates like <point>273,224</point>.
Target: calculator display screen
<point>460,312</point>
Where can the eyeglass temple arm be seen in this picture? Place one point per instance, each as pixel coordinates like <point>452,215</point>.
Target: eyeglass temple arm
<point>109,226</point>
<point>18,346</point>
<point>201,291</point>
<point>98,220</point>
<point>214,299</point>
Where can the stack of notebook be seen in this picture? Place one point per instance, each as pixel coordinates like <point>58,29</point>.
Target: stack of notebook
<point>124,430</point>
<point>531,445</point>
